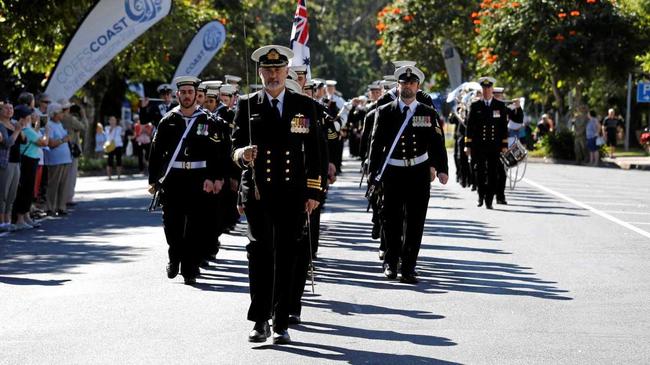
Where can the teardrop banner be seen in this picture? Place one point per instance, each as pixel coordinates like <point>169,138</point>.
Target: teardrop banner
<point>205,44</point>
<point>106,30</point>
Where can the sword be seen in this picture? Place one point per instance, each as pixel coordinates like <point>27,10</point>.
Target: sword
<point>256,191</point>
<point>311,260</point>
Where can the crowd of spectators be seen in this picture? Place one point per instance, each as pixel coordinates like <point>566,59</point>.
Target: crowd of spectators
<point>40,145</point>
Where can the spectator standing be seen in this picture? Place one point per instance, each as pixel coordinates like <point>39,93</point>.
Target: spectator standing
<point>75,123</point>
<point>580,134</point>
<point>114,133</point>
<point>10,174</point>
<point>30,155</point>
<point>100,139</point>
<point>610,125</point>
<point>543,127</point>
<point>58,160</point>
<point>143,134</point>
<point>41,175</point>
<point>592,133</point>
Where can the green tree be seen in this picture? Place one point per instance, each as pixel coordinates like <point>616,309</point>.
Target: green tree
<point>417,29</point>
<point>562,44</point>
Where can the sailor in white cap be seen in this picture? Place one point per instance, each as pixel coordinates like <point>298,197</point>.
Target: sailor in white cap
<point>407,153</point>
<point>487,136</point>
<point>187,165</point>
<point>333,95</point>
<point>152,112</point>
<point>232,80</point>
<point>301,72</point>
<point>515,123</point>
<point>277,143</point>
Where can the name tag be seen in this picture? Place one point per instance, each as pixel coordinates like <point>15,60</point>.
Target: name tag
<point>496,114</point>
<point>422,121</point>
<point>300,124</point>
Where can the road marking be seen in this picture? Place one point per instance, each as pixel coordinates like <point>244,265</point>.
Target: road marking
<point>619,204</point>
<point>589,208</point>
<point>624,212</point>
<point>640,223</point>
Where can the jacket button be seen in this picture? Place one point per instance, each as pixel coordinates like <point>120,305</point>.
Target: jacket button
<point>286,179</point>
<point>268,170</point>
<point>287,153</point>
<point>268,161</point>
<point>287,170</point>
<point>288,161</point>
<point>268,179</point>
<point>268,152</point>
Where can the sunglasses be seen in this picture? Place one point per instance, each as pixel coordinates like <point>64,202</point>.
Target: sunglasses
<point>45,101</point>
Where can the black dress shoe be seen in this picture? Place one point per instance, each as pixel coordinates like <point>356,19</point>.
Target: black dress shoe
<point>294,319</point>
<point>189,280</point>
<point>488,205</point>
<point>480,203</point>
<point>376,231</point>
<point>473,187</point>
<point>390,272</point>
<point>408,278</point>
<point>281,337</point>
<point>502,201</point>
<point>260,332</point>
<point>61,213</point>
<point>205,264</point>
<point>172,269</point>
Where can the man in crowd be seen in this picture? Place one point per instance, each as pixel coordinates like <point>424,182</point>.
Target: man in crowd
<point>188,163</point>
<point>277,143</point>
<point>407,153</point>
<point>153,112</point>
<point>487,137</point>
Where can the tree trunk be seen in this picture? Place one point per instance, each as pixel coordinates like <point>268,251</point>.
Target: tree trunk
<point>559,99</point>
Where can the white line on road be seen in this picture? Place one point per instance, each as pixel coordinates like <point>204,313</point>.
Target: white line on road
<point>640,223</point>
<point>619,204</point>
<point>588,207</point>
<point>624,212</point>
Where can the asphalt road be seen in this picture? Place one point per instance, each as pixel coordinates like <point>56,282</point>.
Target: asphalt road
<point>559,276</point>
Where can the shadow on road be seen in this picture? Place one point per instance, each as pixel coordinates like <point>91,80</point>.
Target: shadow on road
<point>58,246</point>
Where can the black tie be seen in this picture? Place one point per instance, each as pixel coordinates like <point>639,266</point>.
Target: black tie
<point>275,108</point>
<point>405,112</point>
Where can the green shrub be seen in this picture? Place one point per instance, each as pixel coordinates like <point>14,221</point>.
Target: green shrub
<point>558,145</point>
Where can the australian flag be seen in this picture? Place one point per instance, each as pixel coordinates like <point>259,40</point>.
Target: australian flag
<point>299,38</point>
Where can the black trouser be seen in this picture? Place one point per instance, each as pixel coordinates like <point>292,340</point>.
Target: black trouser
<point>186,219</point>
<point>24,196</point>
<point>485,165</point>
<point>406,198</point>
<point>274,227</point>
<point>501,180</point>
<point>142,151</point>
<point>301,268</point>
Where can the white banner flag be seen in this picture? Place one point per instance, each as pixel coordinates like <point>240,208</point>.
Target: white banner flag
<point>205,44</point>
<point>453,64</point>
<point>108,28</point>
<point>300,37</point>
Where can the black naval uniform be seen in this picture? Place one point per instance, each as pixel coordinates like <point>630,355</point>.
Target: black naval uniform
<point>311,233</point>
<point>287,174</point>
<point>187,209</point>
<point>487,135</point>
<point>354,125</point>
<point>155,111</point>
<point>407,179</point>
<point>463,171</point>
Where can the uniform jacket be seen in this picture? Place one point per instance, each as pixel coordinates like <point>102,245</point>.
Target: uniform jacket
<point>206,141</point>
<point>487,127</point>
<point>155,111</point>
<point>289,162</point>
<point>422,135</point>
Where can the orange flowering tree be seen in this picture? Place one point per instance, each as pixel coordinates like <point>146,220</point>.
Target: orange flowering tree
<point>416,30</point>
<point>561,44</point>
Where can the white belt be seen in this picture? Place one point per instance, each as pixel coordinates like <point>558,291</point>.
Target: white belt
<point>189,165</point>
<point>408,162</point>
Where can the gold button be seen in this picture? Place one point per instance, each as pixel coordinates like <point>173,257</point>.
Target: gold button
<point>414,136</point>
<point>268,161</point>
<point>286,179</point>
<point>288,161</point>
<point>414,142</point>
<point>402,137</point>
<point>403,151</point>
<point>287,153</point>
<point>287,170</point>
<point>268,179</point>
<point>268,170</point>
<point>268,152</point>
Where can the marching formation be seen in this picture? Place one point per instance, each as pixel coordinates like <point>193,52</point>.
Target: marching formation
<point>271,155</point>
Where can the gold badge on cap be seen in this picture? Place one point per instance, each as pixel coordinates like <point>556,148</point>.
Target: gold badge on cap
<point>273,55</point>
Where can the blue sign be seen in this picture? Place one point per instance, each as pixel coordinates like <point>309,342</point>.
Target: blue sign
<point>643,92</point>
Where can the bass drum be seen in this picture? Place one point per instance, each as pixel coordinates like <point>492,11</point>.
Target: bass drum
<point>514,155</point>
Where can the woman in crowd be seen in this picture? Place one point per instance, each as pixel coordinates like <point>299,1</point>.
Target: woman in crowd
<point>100,139</point>
<point>9,163</point>
<point>58,160</point>
<point>30,153</point>
<point>114,133</point>
<point>143,134</point>
<point>593,132</point>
